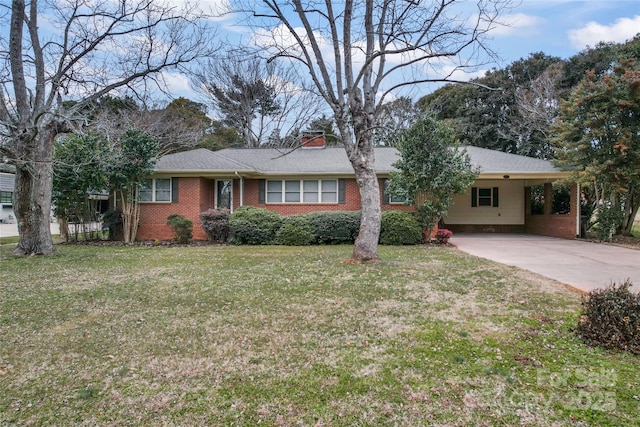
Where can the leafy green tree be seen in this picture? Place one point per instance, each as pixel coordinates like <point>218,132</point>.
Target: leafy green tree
<point>487,113</point>
<point>78,171</point>
<point>598,137</point>
<point>432,169</point>
<point>131,164</point>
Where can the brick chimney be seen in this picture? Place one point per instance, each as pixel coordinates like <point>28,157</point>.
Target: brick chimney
<point>313,139</point>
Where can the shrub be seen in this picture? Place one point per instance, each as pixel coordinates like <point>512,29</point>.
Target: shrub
<point>182,227</point>
<point>215,222</point>
<point>335,227</point>
<point>443,235</point>
<point>610,217</point>
<point>611,318</point>
<point>400,228</point>
<point>112,221</point>
<point>296,230</point>
<point>249,225</point>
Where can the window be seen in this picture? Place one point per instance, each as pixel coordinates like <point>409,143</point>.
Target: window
<point>156,190</point>
<point>388,198</point>
<point>329,191</point>
<point>310,189</point>
<point>274,191</point>
<point>292,191</point>
<point>302,191</point>
<point>484,197</point>
<point>5,197</point>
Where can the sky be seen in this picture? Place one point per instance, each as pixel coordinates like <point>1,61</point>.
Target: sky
<point>563,28</point>
<point>556,27</point>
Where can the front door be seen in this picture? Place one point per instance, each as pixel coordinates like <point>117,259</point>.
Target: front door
<point>223,194</point>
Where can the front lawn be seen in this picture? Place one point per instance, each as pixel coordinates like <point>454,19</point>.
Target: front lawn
<point>268,335</point>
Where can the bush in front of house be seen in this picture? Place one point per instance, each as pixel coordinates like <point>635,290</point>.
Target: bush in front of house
<point>611,318</point>
<point>400,228</point>
<point>296,230</point>
<point>182,228</point>
<point>215,222</point>
<point>443,235</point>
<point>335,227</point>
<point>249,225</point>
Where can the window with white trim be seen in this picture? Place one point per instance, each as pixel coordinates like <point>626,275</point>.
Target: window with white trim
<point>484,197</point>
<point>302,191</point>
<point>487,197</point>
<point>156,190</point>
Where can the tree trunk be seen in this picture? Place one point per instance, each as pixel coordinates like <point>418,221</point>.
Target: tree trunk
<point>32,201</point>
<point>366,245</point>
<point>632,206</point>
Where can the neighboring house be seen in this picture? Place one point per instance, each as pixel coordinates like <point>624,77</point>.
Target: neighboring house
<point>319,178</point>
<point>7,184</point>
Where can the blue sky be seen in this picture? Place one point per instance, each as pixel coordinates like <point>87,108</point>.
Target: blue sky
<point>563,28</point>
<point>556,27</point>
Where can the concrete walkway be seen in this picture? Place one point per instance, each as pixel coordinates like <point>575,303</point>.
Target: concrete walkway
<point>582,265</point>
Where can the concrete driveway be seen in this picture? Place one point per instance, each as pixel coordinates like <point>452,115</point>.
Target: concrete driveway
<point>582,265</point>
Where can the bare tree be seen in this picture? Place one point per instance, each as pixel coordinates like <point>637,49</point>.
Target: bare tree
<point>86,50</point>
<point>358,52</point>
<point>178,126</point>
<point>258,99</point>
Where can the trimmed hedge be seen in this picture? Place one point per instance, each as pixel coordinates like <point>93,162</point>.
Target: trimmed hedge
<point>296,230</point>
<point>400,228</point>
<point>253,226</point>
<point>334,227</point>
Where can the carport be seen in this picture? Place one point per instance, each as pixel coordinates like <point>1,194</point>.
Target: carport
<point>579,264</point>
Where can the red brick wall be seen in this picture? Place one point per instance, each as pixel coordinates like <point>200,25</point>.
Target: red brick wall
<point>486,228</point>
<point>563,226</point>
<point>352,201</point>
<point>553,225</point>
<point>194,196</point>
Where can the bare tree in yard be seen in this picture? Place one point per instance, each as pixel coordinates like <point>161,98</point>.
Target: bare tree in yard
<point>256,98</point>
<point>179,126</point>
<point>86,50</point>
<point>359,52</point>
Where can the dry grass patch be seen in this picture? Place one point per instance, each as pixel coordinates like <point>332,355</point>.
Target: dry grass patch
<point>292,336</point>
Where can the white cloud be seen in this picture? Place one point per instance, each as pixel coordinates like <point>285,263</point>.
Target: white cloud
<point>178,84</point>
<point>518,24</point>
<point>593,32</point>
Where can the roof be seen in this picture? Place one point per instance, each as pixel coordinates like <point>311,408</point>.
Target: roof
<point>7,182</point>
<point>334,161</point>
<point>499,162</point>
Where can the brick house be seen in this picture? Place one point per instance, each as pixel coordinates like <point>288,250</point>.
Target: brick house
<point>319,178</point>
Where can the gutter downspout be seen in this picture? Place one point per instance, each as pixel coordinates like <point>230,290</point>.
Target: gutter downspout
<point>241,188</point>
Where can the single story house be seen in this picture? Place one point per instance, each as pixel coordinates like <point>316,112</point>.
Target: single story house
<point>7,184</point>
<point>320,178</point>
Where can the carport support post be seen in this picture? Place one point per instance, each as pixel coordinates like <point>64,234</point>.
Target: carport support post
<point>548,199</point>
<point>575,196</point>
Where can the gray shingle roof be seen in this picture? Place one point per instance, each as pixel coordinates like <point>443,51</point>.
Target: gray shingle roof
<point>329,160</point>
<point>492,161</point>
<point>7,182</point>
<point>200,159</point>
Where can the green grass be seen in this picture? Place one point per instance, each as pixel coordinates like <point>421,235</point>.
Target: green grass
<point>635,230</point>
<point>291,336</point>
